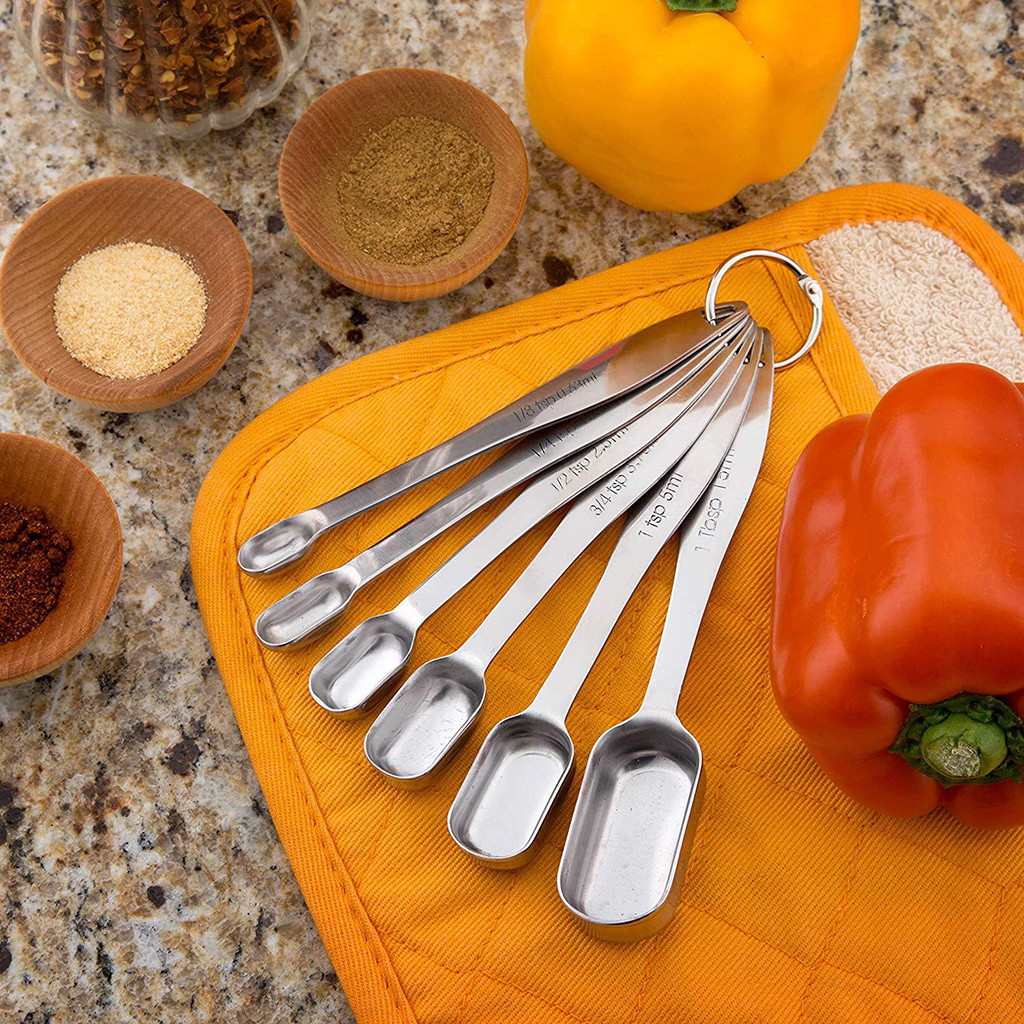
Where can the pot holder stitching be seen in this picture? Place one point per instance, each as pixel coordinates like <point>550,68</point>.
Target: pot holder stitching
<point>844,901</point>
<point>1001,906</point>
<point>474,969</point>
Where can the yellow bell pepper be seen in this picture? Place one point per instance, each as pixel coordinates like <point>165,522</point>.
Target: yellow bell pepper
<point>678,109</point>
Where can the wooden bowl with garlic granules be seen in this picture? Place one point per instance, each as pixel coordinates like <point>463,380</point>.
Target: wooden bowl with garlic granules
<point>37,474</point>
<point>330,135</point>
<point>107,212</point>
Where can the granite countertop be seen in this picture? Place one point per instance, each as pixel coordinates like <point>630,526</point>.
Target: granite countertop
<point>141,876</point>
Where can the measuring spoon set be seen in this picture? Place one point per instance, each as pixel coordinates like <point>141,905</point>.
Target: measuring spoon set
<point>663,433</point>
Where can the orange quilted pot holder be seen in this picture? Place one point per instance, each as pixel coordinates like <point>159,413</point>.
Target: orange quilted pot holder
<point>798,905</point>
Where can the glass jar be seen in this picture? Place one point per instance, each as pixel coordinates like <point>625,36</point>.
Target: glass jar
<point>166,67</point>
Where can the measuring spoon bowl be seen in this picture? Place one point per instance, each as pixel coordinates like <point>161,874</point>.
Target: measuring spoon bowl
<point>350,678</point>
<point>632,829</point>
<point>522,770</point>
<point>282,543</point>
<point>306,611</point>
<point>427,720</point>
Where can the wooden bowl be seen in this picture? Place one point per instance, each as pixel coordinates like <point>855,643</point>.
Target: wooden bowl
<point>35,473</point>
<point>125,208</point>
<point>323,141</point>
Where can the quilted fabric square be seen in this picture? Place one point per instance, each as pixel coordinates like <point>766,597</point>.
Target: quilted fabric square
<point>798,906</point>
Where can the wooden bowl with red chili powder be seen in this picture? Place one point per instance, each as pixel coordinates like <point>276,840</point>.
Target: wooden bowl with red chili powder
<point>403,183</point>
<point>60,556</point>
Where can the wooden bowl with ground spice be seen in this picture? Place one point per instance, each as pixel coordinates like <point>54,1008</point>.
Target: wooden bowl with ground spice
<point>403,184</point>
<point>60,556</point>
<point>126,293</point>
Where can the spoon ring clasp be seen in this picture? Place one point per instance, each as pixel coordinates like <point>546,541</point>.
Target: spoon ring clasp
<point>808,285</point>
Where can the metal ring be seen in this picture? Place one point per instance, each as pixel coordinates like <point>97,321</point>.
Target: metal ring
<point>808,285</point>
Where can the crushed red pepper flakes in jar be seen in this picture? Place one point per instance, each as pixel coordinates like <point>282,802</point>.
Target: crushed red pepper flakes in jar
<point>173,60</point>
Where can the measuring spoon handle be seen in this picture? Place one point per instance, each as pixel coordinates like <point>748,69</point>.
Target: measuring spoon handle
<point>704,540</point>
<point>614,372</point>
<point>531,456</point>
<point>305,611</point>
<point>560,485</point>
<point>645,533</point>
<point>592,513</point>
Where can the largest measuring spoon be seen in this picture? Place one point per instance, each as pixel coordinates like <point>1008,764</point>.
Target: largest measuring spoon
<point>526,762</point>
<point>350,677</point>
<point>307,610</point>
<point>625,855</point>
<point>602,378</point>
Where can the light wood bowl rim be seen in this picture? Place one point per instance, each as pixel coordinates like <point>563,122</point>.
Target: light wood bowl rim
<point>354,268</point>
<point>52,655</point>
<point>178,380</point>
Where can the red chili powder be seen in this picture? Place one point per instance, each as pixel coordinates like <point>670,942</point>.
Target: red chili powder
<point>33,554</point>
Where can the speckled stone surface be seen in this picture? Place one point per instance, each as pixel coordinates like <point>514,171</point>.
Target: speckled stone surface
<point>140,875</point>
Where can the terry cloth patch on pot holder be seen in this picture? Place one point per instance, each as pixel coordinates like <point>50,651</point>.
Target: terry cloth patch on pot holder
<point>798,905</point>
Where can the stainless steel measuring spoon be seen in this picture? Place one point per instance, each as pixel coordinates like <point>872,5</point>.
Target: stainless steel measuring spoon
<point>430,715</point>
<point>625,855</point>
<point>526,762</point>
<point>352,676</point>
<point>307,610</point>
<point>608,375</point>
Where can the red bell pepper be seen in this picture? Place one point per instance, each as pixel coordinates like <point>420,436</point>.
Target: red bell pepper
<point>898,625</point>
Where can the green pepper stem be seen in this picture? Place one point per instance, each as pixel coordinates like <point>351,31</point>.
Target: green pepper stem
<point>701,5</point>
<point>962,748</point>
<point>966,739</point>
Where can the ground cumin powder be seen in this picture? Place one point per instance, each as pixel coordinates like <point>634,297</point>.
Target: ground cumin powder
<point>33,554</point>
<point>414,190</point>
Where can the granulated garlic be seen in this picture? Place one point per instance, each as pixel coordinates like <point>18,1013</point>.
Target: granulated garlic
<point>129,310</point>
